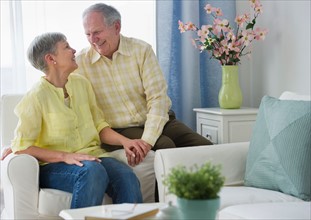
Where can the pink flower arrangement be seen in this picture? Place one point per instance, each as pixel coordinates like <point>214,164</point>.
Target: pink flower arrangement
<point>219,38</point>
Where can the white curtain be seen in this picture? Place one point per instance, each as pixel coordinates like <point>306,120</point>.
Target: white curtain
<point>17,45</point>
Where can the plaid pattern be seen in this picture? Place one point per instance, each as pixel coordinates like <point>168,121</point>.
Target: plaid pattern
<point>130,89</point>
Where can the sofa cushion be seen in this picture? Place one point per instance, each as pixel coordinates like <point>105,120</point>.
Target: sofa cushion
<point>237,195</point>
<point>284,210</point>
<point>52,201</point>
<point>287,95</point>
<point>279,155</point>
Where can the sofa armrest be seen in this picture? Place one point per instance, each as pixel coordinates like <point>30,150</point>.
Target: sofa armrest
<point>19,176</point>
<point>231,157</point>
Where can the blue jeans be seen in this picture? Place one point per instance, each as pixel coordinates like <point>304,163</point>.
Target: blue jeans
<point>89,183</point>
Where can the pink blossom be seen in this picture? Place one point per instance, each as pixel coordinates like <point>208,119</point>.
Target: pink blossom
<point>246,38</point>
<point>233,46</point>
<point>258,9</point>
<point>203,32</point>
<point>255,3</point>
<point>190,26</point>
<point>219,39</point>
<point>231,36</point>
<point>237,56</point>
<point>218,12</point>
<point>247,16</point>
<point>217,53</point>
<point>208,9</point>
<point>181,27</point>
<point>225,47</point>
<point>260,34</point>
<point>257,6</point>
<point>221,25</point>
<point>240,20</point>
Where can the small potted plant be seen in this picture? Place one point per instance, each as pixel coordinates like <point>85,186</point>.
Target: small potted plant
<point>196,189</point>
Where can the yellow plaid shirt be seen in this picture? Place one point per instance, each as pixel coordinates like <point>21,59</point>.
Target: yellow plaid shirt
<point>45,121</point>
<point>130,89</point>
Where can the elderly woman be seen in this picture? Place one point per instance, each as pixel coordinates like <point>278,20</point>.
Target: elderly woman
<point>61,125</point>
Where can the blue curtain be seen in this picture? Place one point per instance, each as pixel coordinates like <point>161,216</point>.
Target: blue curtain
<point>193,78</point>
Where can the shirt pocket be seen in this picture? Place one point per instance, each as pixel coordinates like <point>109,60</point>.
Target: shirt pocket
<point>58,124</point>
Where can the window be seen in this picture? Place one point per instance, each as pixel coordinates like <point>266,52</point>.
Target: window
<point>21,21</point>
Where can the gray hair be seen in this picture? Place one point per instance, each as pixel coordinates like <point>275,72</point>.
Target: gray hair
<point>110,14</point>
<point>41,46</point>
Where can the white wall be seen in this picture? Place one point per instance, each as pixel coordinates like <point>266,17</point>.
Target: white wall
<point>282,61</point>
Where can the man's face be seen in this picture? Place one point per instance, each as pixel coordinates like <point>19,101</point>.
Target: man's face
<point>103,38</point>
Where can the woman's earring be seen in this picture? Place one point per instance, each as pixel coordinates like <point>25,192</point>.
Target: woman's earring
<point>54,62</point>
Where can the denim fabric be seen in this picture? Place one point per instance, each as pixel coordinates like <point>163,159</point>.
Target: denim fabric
<point>89,183</point>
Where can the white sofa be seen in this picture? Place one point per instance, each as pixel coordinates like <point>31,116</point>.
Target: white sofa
<point>23,199</point>
<point>237,200</point>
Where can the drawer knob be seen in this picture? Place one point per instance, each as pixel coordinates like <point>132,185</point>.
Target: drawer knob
<point>209,137</point>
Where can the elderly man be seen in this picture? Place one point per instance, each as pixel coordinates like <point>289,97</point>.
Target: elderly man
<point>129,85</point>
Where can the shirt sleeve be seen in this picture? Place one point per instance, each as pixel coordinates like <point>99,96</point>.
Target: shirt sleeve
<point>97,113</point>
<point>158,103</point>
<point>29,123</point>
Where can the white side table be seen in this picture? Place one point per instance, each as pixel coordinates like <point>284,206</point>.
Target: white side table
<point>226,125</point>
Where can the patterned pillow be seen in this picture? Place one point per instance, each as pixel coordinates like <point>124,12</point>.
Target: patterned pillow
<point>279,156</point>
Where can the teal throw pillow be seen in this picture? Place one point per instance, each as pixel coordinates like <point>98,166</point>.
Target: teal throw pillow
<point>279,156</point>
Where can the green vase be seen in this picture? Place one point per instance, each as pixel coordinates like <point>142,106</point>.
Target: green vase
<point>230,95</point>
<point>198,209</point>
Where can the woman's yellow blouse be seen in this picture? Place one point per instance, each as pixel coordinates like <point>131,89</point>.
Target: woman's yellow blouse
<point>45,121</point>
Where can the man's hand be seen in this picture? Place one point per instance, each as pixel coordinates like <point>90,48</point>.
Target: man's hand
<point>136,151</point>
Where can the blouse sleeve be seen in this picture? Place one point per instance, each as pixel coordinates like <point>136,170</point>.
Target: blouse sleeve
<point>97,113</point>
<point>29,123</point>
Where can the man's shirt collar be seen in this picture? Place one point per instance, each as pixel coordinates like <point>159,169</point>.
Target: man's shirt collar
<point>123,50</point>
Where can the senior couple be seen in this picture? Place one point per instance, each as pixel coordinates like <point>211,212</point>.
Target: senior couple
<point>116,98</point>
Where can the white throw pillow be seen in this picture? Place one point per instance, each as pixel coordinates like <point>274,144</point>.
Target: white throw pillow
<point>287,95</point>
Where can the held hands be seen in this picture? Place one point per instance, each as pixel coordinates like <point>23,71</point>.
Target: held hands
<point>136,151</point>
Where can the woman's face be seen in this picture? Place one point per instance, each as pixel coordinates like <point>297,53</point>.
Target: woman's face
<point>65,57</point>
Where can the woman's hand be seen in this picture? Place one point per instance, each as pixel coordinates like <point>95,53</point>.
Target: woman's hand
<point>53,156</point>
<point>76,158</point>
<point>6,152</point>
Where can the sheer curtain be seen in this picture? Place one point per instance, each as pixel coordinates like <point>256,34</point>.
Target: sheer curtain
<point>193,79</point>
<point>11,41</point>
<point>22,20</point>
